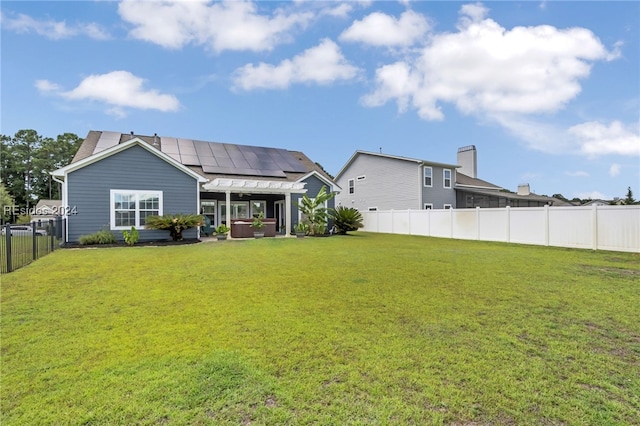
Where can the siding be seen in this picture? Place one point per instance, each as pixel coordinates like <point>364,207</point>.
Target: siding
<point>437,194</point>
<point>389,184</point>
<point>132,169</point>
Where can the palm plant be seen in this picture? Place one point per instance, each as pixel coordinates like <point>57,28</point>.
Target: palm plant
<point>315,214</point>
<point>347,219</point>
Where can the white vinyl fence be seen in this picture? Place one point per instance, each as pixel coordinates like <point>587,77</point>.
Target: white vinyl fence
<point>615,228</point>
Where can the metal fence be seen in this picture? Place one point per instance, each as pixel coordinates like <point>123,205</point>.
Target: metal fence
<point>21,244</point>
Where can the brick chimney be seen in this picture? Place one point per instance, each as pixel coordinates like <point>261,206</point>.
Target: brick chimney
<point>468,160</point>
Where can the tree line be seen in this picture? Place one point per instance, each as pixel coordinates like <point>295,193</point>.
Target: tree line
<point>26,159</point>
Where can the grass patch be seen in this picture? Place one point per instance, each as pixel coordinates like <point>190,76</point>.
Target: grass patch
<point>362,329</point>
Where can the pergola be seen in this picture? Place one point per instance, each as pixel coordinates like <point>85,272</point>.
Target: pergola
<point>248,186</point>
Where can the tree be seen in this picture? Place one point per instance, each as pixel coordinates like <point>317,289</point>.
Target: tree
<point>26,161</point>
<point>347,219</point>
<point>314,212</point>
<point>6,204</point>
<point>629,200</point>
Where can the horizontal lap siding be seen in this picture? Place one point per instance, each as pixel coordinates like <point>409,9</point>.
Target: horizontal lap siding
<point>437,194</point>
<point>132,169</point>
<point>389,184</point>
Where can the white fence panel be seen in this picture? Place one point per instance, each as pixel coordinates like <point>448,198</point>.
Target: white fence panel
<point>569,227</point>
<point>614,228</point>
<point>465,224</point>
<point>494,225</point>
<point>419,222</point>
<point>618,228</point>
<point>440,223</point>
<point>527,225</point>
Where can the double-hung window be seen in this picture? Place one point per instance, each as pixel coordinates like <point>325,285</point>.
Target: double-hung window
<point>446,178</point>
<point>428,176</point>
<point>352,186</point>
<point>131,208</point>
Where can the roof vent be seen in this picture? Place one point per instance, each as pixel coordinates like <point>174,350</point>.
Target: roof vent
<point>155,140</point>
<point>131,135</point>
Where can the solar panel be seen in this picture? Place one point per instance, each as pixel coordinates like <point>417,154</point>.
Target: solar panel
<point>231,159</point>
<point>169,146</point>
<point>107,140</point>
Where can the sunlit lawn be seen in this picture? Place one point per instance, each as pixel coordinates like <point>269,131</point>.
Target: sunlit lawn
<point>362,329</point>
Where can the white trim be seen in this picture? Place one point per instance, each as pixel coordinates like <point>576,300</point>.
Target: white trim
<point>332,185</point>
<point>62,172</point>
<point>424,177</point>
<point>137,193</point>
<point>248,186</point>
<point>444,179</point>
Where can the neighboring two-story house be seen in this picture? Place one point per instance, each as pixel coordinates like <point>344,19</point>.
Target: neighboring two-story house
<point>375,181</point>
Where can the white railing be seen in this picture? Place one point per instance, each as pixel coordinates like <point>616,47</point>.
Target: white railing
<point>615,228</point>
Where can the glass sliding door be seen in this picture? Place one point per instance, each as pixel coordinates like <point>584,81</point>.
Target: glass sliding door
<point>239,210</point>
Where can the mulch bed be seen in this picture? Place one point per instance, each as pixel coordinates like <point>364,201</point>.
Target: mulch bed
<point>160,243</point>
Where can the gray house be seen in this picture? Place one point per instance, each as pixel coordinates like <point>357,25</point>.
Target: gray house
<point>376,181</point>
<point>115,180</point>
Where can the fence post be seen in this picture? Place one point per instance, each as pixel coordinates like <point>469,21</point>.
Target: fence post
<point>34,243</point>
<point>7,230</point>
<point>478,223</point>
<point>594,229</point>
<point>546,224</point>
<point>508,223</point>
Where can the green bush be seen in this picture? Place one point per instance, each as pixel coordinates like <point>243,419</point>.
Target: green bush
<point>131,237</point>
<point>174,223</point>
<point>101,237</point>
<point>346,219</point>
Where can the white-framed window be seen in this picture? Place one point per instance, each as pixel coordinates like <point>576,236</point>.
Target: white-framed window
<point>352,186</point>
<point>446,178</point>
<point>428,176</point>
<point>239,210</point>
<point>361,177</point>
<point>131,208</point>
<point>257,207</point>
<point>428,206</point>
<point>447,206</point>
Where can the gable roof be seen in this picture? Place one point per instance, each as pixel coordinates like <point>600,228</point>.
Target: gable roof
<point>393,157</point>
<point>85,161</point>
<point>212,160</point>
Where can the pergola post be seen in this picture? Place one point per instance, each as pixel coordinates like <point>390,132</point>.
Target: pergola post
<point>228,208</point>
<point>287,214</point>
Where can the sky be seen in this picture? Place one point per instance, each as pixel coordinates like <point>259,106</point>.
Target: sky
<point>547,91</point>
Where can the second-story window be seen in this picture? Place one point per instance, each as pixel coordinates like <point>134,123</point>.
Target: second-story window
<point>428,176</point>
<point>446,175</point>
<point>352,186</point>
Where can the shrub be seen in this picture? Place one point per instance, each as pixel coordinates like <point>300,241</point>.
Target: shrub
<point>314,213</point>
<point>174,223</point>
<point>222,229</point>
<point>131,237</point>
<point>101,237</point>
<point>347,219</point>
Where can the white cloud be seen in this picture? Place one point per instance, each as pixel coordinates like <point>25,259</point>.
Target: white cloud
<point>592,195</point>
<point>322,64</point>
<point>45,86</point>
<point>54,30</point>
<point>229,25</point>
<point>488,70</point>
<point>614,170</point>
<point>117,89</point>
<point>595,139</point>
<point>379,29</point>
<point>577,173</point>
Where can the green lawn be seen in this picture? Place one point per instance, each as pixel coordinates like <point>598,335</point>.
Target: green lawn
<point>363,329</point>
